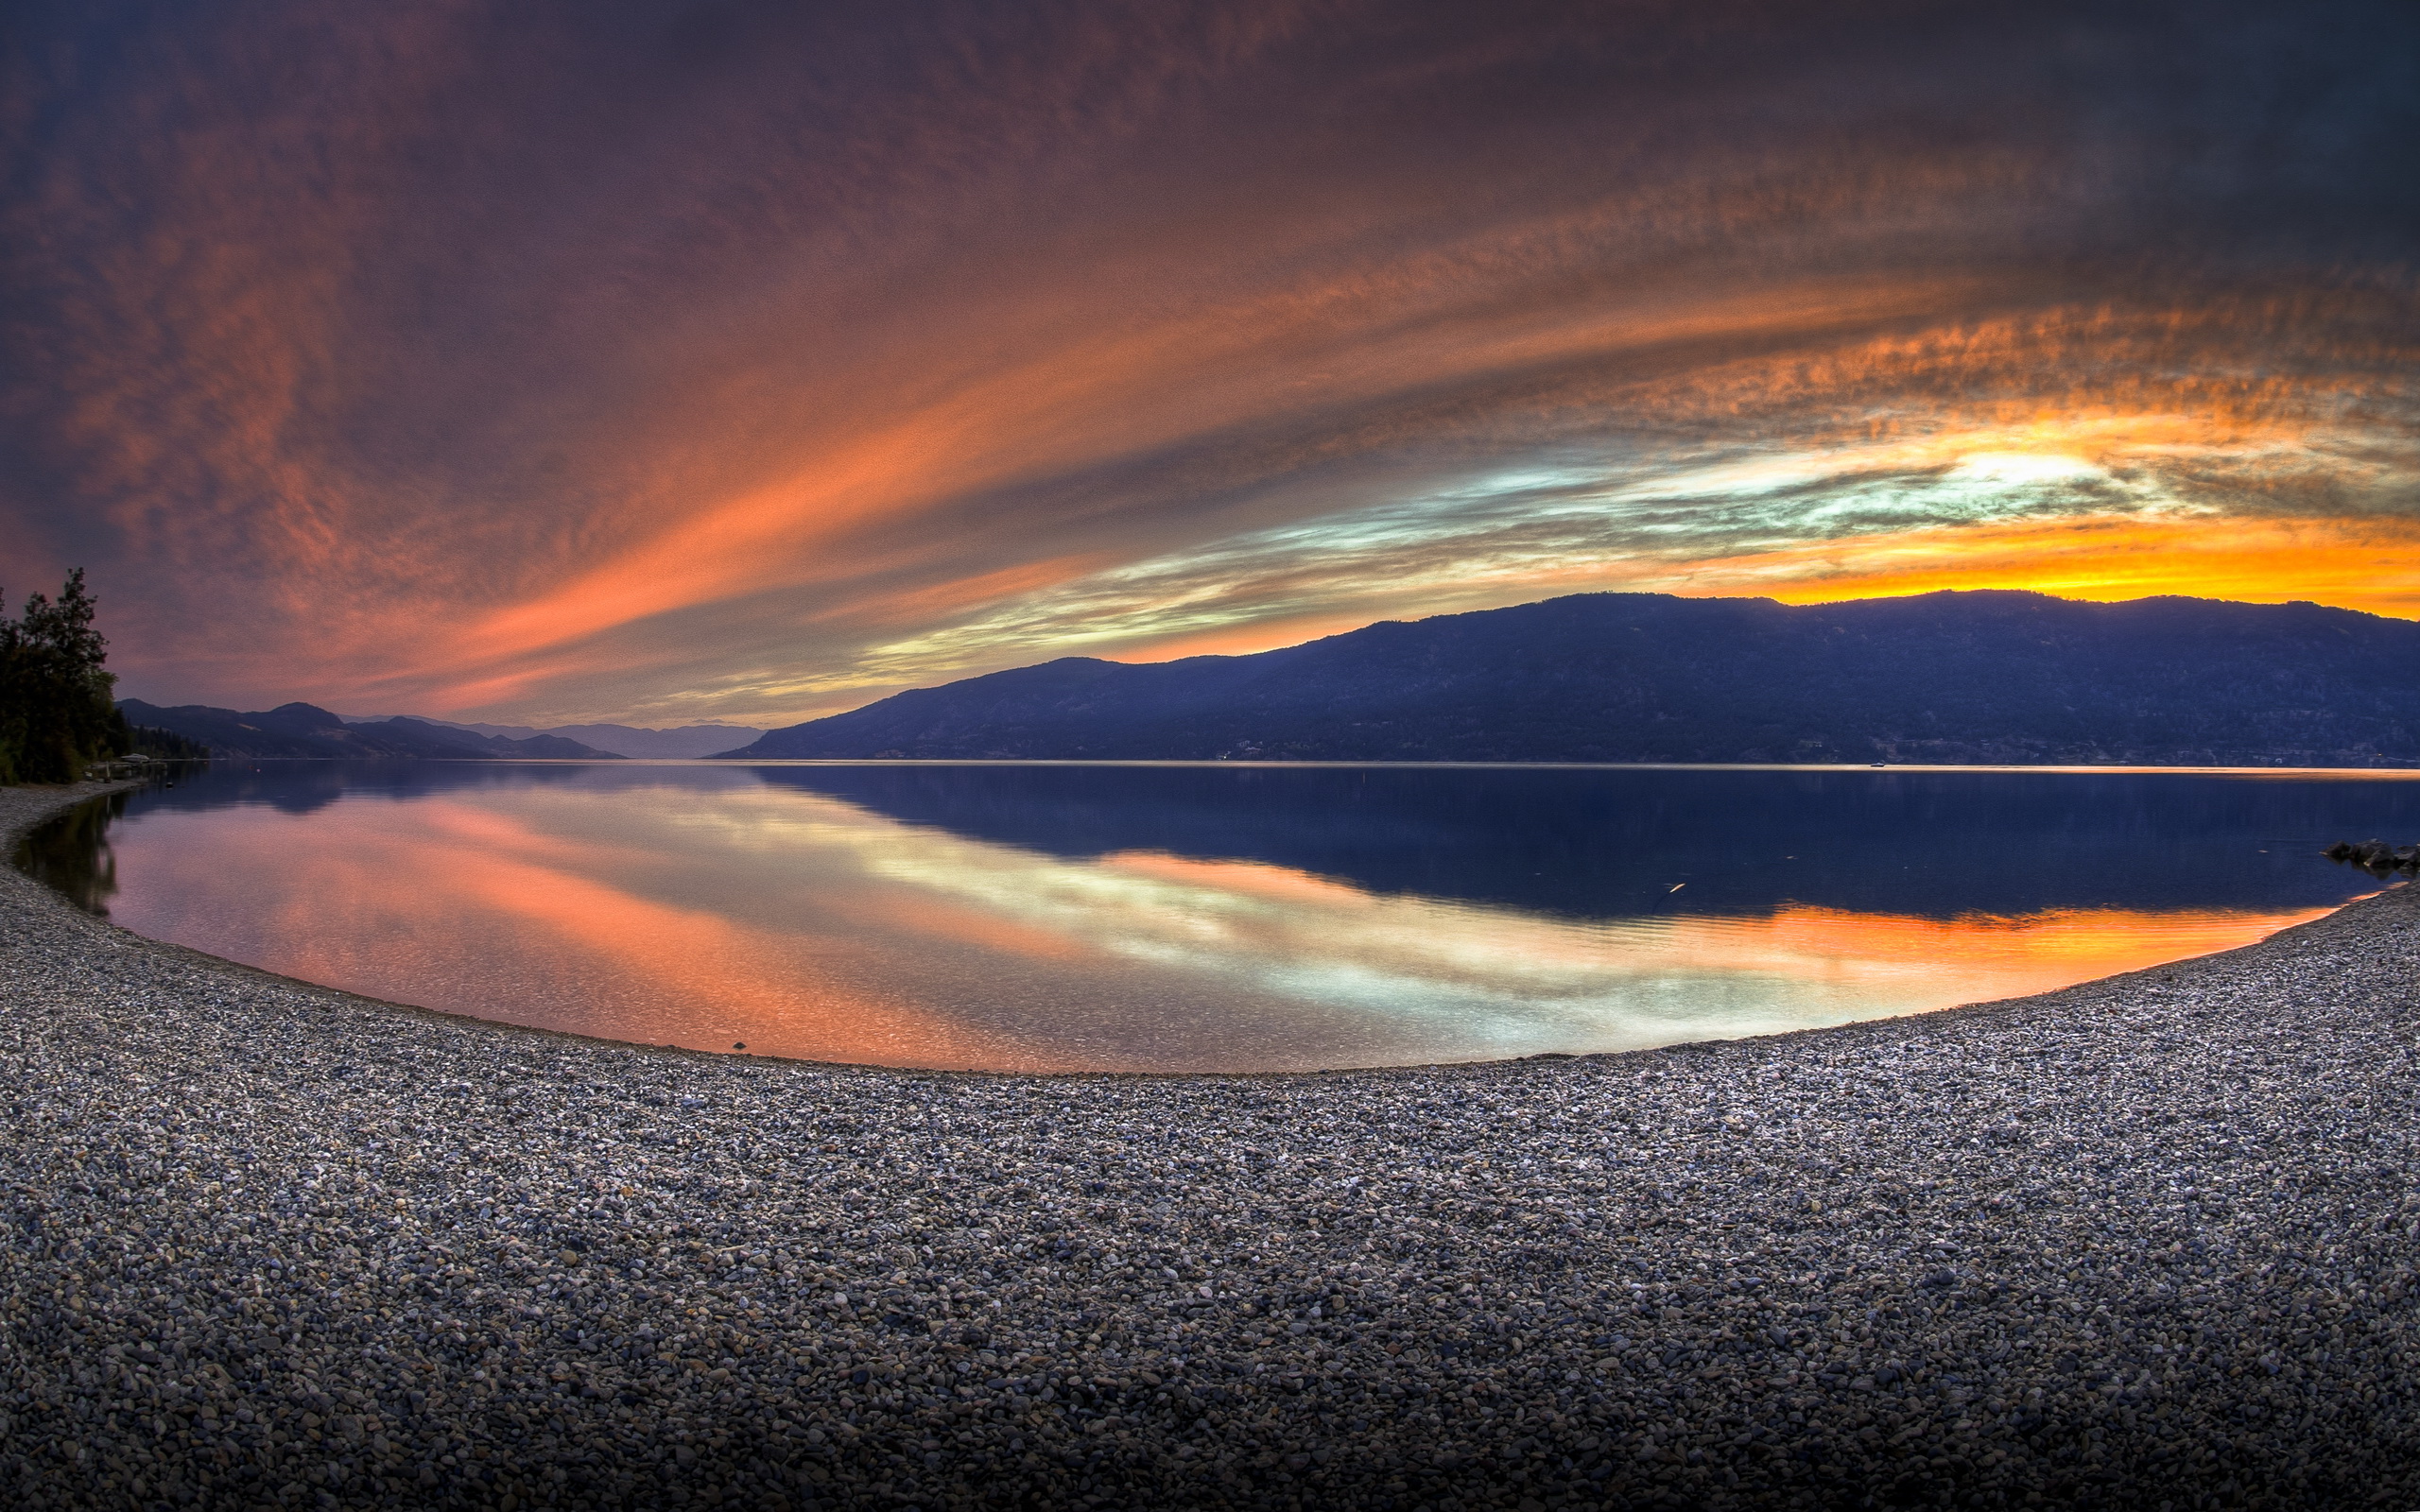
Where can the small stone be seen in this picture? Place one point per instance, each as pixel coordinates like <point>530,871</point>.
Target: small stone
<point>2131,1242</point>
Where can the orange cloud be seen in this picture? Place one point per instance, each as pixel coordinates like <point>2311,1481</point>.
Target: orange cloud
<point>456,378</point>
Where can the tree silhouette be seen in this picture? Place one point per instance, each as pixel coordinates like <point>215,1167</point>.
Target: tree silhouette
<point>56,713</point>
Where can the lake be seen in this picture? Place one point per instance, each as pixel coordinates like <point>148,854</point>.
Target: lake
<point>1219,917</point>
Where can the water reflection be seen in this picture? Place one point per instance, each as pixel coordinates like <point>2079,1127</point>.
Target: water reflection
<point>74,855</point>
<point>1179,919</point>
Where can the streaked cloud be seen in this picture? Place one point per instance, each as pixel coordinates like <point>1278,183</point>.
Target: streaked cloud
<point>667,360</point>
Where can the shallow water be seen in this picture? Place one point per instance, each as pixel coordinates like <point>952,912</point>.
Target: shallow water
<point>1221,916</point>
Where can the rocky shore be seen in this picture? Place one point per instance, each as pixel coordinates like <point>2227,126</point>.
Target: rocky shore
<point>2149,1243</point>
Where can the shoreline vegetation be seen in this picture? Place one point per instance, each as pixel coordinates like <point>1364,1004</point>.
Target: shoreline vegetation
<point>2143,1241</point>
<point>55,718</point>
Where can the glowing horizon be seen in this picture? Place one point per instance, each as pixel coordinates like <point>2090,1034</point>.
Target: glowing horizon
<point>749,364</point>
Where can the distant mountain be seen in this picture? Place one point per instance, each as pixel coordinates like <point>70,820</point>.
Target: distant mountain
<point>1993,677</point>
<point>684,740</point>
<point>305,729</point>
<point>618,739</point>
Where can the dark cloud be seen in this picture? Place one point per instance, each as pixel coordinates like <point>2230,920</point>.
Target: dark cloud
<point>613,359</point>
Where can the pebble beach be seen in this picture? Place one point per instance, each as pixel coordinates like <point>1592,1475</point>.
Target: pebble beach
<point>2150,1242</point>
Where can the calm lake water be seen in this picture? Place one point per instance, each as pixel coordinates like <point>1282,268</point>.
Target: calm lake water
<point>1225,916</point>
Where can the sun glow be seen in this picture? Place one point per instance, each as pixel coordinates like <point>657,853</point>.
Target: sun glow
<point>844,382</point>
<point>2364,565</point>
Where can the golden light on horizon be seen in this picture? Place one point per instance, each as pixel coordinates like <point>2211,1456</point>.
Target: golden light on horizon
<point>794,387</point>
<point>2358,565</point>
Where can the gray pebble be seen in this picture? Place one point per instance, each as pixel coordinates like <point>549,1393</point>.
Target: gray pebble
<point>268,1245</point>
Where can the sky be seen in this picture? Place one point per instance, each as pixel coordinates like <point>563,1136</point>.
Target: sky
<point>666,362</point>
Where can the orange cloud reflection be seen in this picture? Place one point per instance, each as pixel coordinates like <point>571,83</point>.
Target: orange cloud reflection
<point>1844,964</point>
<point>450,906</point>
<point>1993,956</point>
<point>806,926</point>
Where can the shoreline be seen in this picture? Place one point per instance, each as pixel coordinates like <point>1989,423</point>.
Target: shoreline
<point>16,820</point>
<point>2407,769</point>
<point>2144,1237</point>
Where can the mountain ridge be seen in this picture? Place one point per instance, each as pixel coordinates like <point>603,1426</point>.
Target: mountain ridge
<point>306,730</point>
<point>678,741</point>
<point>1956,677</point>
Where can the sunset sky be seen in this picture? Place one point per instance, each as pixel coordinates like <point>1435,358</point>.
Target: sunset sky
<point>667,362</point>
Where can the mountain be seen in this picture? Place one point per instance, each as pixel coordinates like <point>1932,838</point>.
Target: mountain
<point>305,729</point>
<point>684,740</point>
<point>617,740</point>
<point>1992,676</point>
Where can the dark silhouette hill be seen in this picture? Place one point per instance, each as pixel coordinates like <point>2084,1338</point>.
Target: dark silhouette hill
<point>682,741</point>
<point>307,731</point>
<point>626,740</point>
<point>1990,677</point>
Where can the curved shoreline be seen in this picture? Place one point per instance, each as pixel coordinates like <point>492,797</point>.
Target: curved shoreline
<point>2148,1237</point>
<point>17,819</point>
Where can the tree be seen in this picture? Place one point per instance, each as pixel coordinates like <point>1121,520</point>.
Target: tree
<point>56,713</point>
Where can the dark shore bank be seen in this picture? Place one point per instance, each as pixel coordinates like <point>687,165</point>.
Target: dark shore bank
<point>2145,1243</point>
